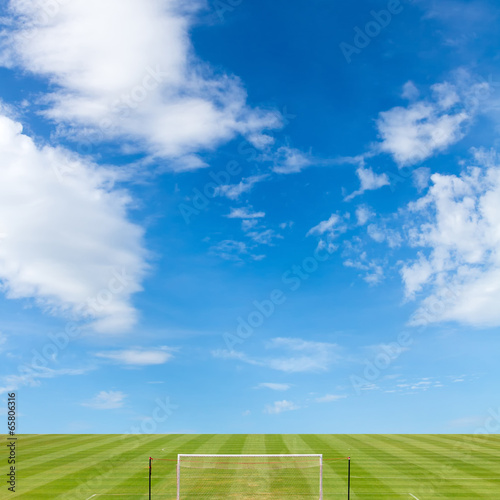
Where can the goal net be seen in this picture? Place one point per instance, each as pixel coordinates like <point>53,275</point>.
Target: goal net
<point>242,477</point>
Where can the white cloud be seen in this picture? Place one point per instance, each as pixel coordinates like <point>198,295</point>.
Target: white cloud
<point>280,407</point>
<point>382,233</point>
<point>234,191</point>
<point>289,160</point>
<point>364,214</point>
<point>68,243</point>
<point>457,227</point>
<point>422,178</point>
<point>414,133</point>
<point>245,213</point>
<point>300,356</point>
<point>230,250</point>
<point>330,398</point>
<point>107,400</point>
<point>370,181</point>
<point>410,91</point>
<point>373,271</point>
<point>3,339</point>
<point>137,80</point>
<point>274,387</point>
<point>332,226</point>
<point>139,357</point>
<point>29,376</point>
<point>264,237</point>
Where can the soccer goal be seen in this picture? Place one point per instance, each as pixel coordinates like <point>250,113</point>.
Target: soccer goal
<point>249,476</point>
<point>245,477</point>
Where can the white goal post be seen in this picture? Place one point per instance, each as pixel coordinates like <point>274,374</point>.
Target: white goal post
<point>218,476</point>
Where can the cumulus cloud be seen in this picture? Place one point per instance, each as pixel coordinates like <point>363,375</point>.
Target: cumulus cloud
<point>280,407</point>
<point>370,181</point>
<point>67,242</point>
<point>137,80</point>
<point>107,400</point>
<point>289,160</point>
<point>364,214</point>
<point>138,357</point>
<point>456,227</point>
<point>414,133</point>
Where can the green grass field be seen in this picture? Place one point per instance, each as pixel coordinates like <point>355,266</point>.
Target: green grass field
<point>105,467</point>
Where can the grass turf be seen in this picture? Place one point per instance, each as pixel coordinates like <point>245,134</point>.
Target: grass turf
<point>388,467</point>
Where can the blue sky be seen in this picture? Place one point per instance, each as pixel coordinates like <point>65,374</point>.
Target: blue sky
<point>250,216</point>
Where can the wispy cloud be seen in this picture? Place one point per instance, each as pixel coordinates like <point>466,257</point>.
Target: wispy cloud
<point>234,191</point>
<point>289,160</point>
<point>107,400</point>
<point>299,356</point>
<point>274,387</point>
<point>245,213</point>
<point>280,407</point>
<point>31,377</point>
<point>139,357</point>
<point>330,398</point>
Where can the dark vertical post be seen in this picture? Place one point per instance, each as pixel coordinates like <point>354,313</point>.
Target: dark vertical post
<point>349,478</point>
<point>150,464</point>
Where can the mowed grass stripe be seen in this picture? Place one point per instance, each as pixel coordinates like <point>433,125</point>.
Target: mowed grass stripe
<point>88,469</point>
<point>334,471</point>
<point>481,451</point>
<point>300,480</point>
<point>40,456</point>
<point>165,472</point>
<point>454,472</point>
<point>441,464</point>
<point>411,477</point>
<point>458,461</point>
<point>470,444</point>
<point>129,469</point>
<point>377,488</point>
